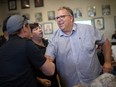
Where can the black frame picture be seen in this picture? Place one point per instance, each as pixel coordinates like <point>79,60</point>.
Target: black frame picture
<point>12,5</point>
<point>106,10</point>
<point>99,23</point>
<point>38,3</point>
<point>25,4</point>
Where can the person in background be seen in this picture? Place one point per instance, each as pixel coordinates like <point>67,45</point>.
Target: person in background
<point>4,37</point>
<point>73,46</point>
<point>37,38</point>
<point>114,35</point>
<point>100,54</point>
<point>19,54</point>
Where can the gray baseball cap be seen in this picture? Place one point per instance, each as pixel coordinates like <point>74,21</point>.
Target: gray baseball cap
<point>15,22</point>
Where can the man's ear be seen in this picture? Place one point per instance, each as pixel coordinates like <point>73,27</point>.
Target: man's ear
<point>24,28</point>
<point>72,18</point>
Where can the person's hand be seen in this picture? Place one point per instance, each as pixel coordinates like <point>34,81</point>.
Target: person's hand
<point>45,82</point>
<point>107,67</point>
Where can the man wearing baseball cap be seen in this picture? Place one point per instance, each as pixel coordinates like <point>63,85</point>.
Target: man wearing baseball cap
<point>19,54</point>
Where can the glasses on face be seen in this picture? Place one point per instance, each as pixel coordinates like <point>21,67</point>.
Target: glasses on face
<point>61,17</point>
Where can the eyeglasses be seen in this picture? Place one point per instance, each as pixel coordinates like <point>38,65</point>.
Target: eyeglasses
<point>61,17</point>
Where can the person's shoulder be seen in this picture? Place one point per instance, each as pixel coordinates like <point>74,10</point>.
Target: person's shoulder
<point>85,27</point>
<point>45,41</point>
<point>1,36</point>
<point>2,39</point>
<point>56,34</point>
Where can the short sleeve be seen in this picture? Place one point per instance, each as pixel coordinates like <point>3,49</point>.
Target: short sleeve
<point>34,54</point>
<point>99,37</point>
<point>50,50</point>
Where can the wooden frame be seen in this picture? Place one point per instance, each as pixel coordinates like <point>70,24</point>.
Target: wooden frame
<point>99,23</point>
<point>48,28</point>
<point>78,12</point>
<point>106,10</point>
<point>12,5</point>
<point>38,3</point>
<point>27,15</point>
<point>25,4</point>
<point>91,11</point>
<point>115,21</point>
<point>38,17</point>
<point>51,15</point>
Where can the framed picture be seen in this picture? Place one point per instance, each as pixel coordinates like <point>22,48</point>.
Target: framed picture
<point>12,5</point>
<point>115,21</point>
<point>91,11</point>
<point>25,4</point>
<point>38,3</point>
<point>51,15</point>
<point>78,12</point>
<point>48,28</point>
<point>27,15</point>
<point>99,23</point>
<point>38,17</point>
<point>106,10</point>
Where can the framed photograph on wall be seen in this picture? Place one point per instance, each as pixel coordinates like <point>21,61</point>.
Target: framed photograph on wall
<point>51,15</point>
<point>38,17</point>
<point>115,21</point>
<point>27,15</point>
<point>78,12</point>
<point>106,10</point>
<point>12,5</point>
<point>91,11</point>
<point>48,28</point>
<point>99,23</point>
<point>25,4</point>
<point>38,3</point>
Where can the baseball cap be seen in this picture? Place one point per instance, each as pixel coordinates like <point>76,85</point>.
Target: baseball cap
<point>4,24</point>
<point>15,22</point>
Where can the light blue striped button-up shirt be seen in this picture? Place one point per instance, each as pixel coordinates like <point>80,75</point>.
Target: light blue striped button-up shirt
<point>75,55</point>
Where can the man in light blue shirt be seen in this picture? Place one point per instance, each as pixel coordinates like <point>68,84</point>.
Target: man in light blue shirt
<point>73,46</point>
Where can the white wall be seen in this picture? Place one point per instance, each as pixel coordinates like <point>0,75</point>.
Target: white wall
<point>53,5</point>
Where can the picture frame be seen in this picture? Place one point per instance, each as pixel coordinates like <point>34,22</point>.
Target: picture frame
<point>25,4</point>
<point>12,5</point>
<point>77,13</point>
<point>38,3</point>
<point>91,11</point>
<point>27,15</point>
<point>106,10</point>
<point>115,21</point>
<point>48,28</point>
<point>99,23</point>
<point>51,15</point>
<point>38,17</point>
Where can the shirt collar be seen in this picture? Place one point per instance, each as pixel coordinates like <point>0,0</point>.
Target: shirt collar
<point>73,30</point>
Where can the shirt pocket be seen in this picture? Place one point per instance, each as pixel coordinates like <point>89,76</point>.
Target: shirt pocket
<point>88,44</point>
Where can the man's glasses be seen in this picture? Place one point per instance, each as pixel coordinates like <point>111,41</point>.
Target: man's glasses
<point>61,17</point>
